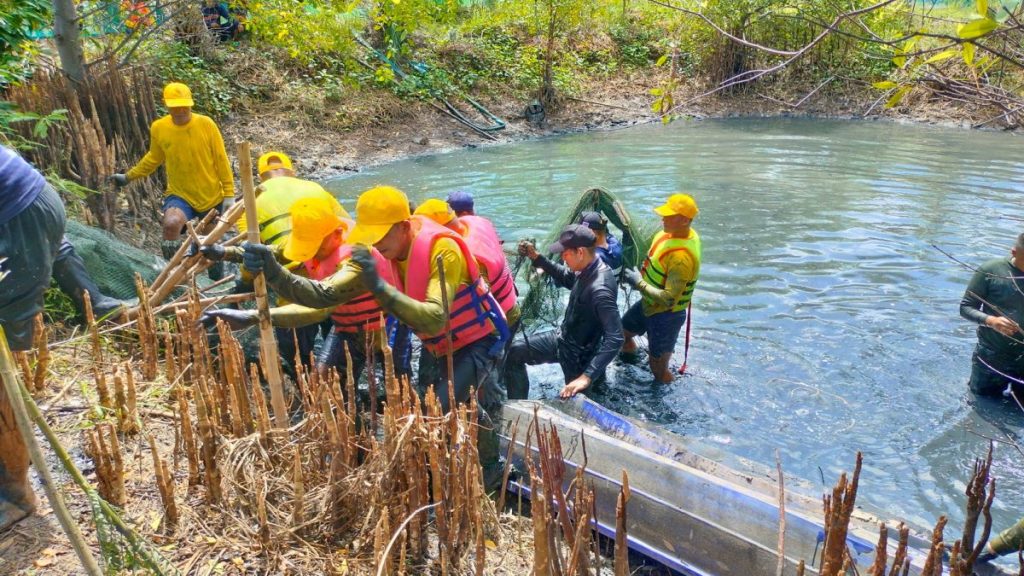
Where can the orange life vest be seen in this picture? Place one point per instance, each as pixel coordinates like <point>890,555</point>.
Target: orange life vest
<point>485,245</point>
<point>362,313</point>
<point>468,315</point>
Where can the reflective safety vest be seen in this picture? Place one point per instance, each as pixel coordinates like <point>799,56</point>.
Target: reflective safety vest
<point>469,316</point>
<point>274,205</point>
<point>485,245</point>
<point>362,313</point>
<point>654,271</point>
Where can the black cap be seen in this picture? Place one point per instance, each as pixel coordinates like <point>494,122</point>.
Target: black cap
<point>594,220</point>
<point>574,236</point>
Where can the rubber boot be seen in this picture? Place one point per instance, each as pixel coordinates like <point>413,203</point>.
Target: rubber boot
<point>74,280</point>
<point>169,248</point>
<point>16,498</point>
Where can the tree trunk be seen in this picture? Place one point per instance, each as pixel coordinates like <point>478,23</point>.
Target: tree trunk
<point>69,44</point>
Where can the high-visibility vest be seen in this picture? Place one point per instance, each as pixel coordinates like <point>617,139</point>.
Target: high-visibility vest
<point>362,313</point>
<point>484,243</point>
<point>468,317</point>
<point>654,271</point>
<point>274,205</point>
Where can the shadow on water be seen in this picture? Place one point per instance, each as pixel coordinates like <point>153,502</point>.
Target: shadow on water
<point>824,322</point>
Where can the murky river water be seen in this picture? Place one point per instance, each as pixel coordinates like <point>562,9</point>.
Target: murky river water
<point>824,320</point>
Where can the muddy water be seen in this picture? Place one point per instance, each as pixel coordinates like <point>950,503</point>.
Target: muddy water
<point>824,321</point>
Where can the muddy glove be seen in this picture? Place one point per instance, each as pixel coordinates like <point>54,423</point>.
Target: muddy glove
<point>259,257</point>
<point>236,319</point>
<point>118,179</point>
<point>527,249</point>
<point>226,205</point>
<point>368,269</point>
<point>632,277</point>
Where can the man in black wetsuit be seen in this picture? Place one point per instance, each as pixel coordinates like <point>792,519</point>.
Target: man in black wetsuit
<point>995,301</point>
<point>591,332</point>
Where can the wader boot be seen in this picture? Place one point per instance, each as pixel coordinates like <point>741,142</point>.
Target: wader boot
<point>16,498</point>
<point>74,280</point>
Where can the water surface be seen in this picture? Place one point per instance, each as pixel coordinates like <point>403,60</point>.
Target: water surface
<point>824,320</point>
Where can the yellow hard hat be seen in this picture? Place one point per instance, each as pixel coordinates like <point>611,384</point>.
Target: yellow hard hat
<point>313,219</point>
<point>177,95</point>
<point>437,210</point>
<point>678,204</point>
<point>377,210</point>
<point>272,161</point>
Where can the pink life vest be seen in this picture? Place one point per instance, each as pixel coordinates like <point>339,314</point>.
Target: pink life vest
<point>362,313</point>
<point>485,245</point>
<point>467,316</point>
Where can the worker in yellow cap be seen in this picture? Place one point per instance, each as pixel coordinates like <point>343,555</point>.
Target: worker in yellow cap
<point>441,297</point>
<point>331,287</point>
<point>665,281</point>
<point>278,191</point>
<point>199,179</point>
<point>485,245</point>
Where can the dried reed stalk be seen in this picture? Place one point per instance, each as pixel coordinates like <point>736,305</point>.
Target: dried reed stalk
<point>881,551</point>
<point>146,325</point>
<point>980,491</point>
<point>838,509</point>
<point>105,451</point>
<point>621,546</point>
<point>188,437</point>
<point>165,484</point>
<point>900,560</point>
<point>208,452</point>
<point>125,393</point>
<point>933,563</point>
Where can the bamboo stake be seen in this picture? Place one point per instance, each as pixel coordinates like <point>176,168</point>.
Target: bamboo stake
<point>268,343</point>
<point>621,547</point>
<point>42,355</point>
<point>12,389</point>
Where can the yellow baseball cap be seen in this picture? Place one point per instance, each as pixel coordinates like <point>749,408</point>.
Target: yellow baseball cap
<point>177,95</point>
<point>678,204</point>
<point>377,210</point>
<point>272,161</point>
<point>437,210</point>
<point>313,219</point>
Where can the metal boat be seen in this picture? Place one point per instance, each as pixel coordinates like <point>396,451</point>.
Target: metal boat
<point>694,509</point>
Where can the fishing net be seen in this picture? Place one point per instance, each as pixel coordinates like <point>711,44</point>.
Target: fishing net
<point>112,263</point>
<point>544,303</point>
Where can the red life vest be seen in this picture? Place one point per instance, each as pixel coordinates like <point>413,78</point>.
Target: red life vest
<point>467,315</point>
<point>485,245</point>
<point>362,313</point>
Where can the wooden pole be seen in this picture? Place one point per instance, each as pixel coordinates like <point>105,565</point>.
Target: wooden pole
<point>268,343</point>
<point>12,389</point>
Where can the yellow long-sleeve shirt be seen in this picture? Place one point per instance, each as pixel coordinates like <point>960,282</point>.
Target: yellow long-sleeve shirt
<point>193,155</point>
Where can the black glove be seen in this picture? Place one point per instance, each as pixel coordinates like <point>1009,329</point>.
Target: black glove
<point>214,252</point>
<point>236,319</point>
<point>368,264</point>
<point>632,277</point>
<point>118,179</point>
<point>259,257</point>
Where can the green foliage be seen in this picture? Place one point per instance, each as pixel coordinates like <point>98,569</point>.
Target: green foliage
<point>18,20</point>
<point>41,125</point>
<point>213,90</point>
<point>58,306</point>
<point>636,41</point>
<point>315,34</point>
